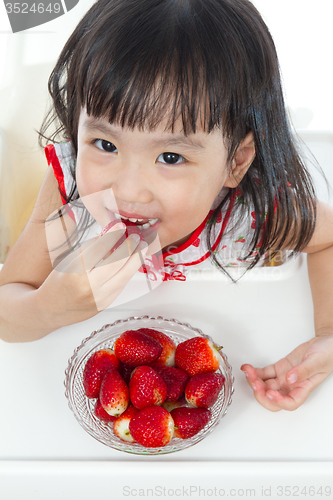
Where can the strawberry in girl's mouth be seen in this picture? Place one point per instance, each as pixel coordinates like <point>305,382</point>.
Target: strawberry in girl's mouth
<point>145,227</point>
<point>142,223</point>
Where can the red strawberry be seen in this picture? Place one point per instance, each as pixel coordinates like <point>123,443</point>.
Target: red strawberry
<point>203,389</point>
<point>189,421</point>
<point>169,347</point>
<point>114,393</point>
<point>135,348</point>
<point>152,427</point>
<point>120,425</point>
<point>147,387</point>
<point>197,355</point>
<point>101,413</point>
<point>96,367</point>
<point>175,380</point>
<point>132,228</point>
<point>110,225</point>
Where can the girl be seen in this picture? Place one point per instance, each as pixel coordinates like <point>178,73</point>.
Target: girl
<point>170,113</point>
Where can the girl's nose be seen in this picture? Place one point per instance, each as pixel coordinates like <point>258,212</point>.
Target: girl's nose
<point>132,184</point>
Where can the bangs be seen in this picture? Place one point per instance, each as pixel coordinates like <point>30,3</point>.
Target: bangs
<point>148,94</point>
<point>145,85</point>
<point>160,63</point>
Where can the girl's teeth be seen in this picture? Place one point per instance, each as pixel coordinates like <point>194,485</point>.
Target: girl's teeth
<point>135,220</point>
<point>144,226</point>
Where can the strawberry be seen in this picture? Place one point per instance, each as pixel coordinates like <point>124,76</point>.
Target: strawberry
<point>197,355</point>
<point>147,387</point>
<point>121,423</point>
<point>96,367</point>
<point>135,348</point>
<point>189,421</point>
<point>175,380</point>
<point>110,225</point>
<point>101,413</point>
<point>203,389</point>
<point>152,427</point>
<point>114,393</point>
<point>169,347</point>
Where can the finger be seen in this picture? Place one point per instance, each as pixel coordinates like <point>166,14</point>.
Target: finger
<point>259,392</point>
<point>102,246</point>
<point>291,401</point>
<point>127,271</point>
<point>308,368</point>
<point>252,373</point>
<point>109,266</point>
<point>106,293</point>
<point>296,396</point>
<point>91,252</point>
<point>259,387</point>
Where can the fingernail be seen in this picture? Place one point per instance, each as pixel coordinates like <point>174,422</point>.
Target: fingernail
<point>254,387</point>
<point>269,396</point>
<point>135,237</point>
<point>245,373</point>
<point>292,378</point>
<point>143,246</point>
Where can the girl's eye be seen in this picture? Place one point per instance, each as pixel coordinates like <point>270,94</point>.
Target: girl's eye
<point>171,158</point>
<point>106,146</point>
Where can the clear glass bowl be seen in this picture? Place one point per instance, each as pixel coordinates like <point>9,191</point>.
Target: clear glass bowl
<point>83,408</point>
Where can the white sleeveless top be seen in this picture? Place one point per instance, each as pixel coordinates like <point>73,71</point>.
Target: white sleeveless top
<point>228,245</point>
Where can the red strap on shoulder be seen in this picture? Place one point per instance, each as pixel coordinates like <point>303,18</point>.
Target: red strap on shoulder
<point>52,159</point>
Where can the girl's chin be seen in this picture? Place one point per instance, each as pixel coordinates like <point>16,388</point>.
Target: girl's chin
<point>172,246</point>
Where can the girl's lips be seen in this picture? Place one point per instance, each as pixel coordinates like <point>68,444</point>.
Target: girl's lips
<point>132,218</point>
<point>144,231</point>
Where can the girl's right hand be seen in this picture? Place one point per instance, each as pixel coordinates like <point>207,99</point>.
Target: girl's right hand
<point>89,279</point>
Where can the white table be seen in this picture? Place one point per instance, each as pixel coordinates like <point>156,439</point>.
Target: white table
<point>253,453</point>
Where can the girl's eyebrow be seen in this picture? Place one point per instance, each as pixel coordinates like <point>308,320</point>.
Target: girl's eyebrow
<point>174,139</point>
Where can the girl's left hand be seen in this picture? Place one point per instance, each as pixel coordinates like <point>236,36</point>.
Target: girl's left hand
<point>287,384</point>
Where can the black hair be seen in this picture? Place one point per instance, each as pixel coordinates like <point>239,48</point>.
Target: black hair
<point>210,63</point>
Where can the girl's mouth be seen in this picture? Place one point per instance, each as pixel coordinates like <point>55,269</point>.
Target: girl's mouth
<point>146,228</point>
<point>141,223</point>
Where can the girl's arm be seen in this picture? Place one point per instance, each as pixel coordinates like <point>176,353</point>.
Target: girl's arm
<point>36,299</point>
<point>26,268</point>
<point>287,383</point>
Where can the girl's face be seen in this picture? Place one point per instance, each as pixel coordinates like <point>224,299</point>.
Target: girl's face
<point>150,175</point>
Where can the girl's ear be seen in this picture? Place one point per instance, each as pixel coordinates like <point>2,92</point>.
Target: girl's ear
<point>242,161</point>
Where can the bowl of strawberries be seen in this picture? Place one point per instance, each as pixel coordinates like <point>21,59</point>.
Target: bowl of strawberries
<point>149,385</point>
